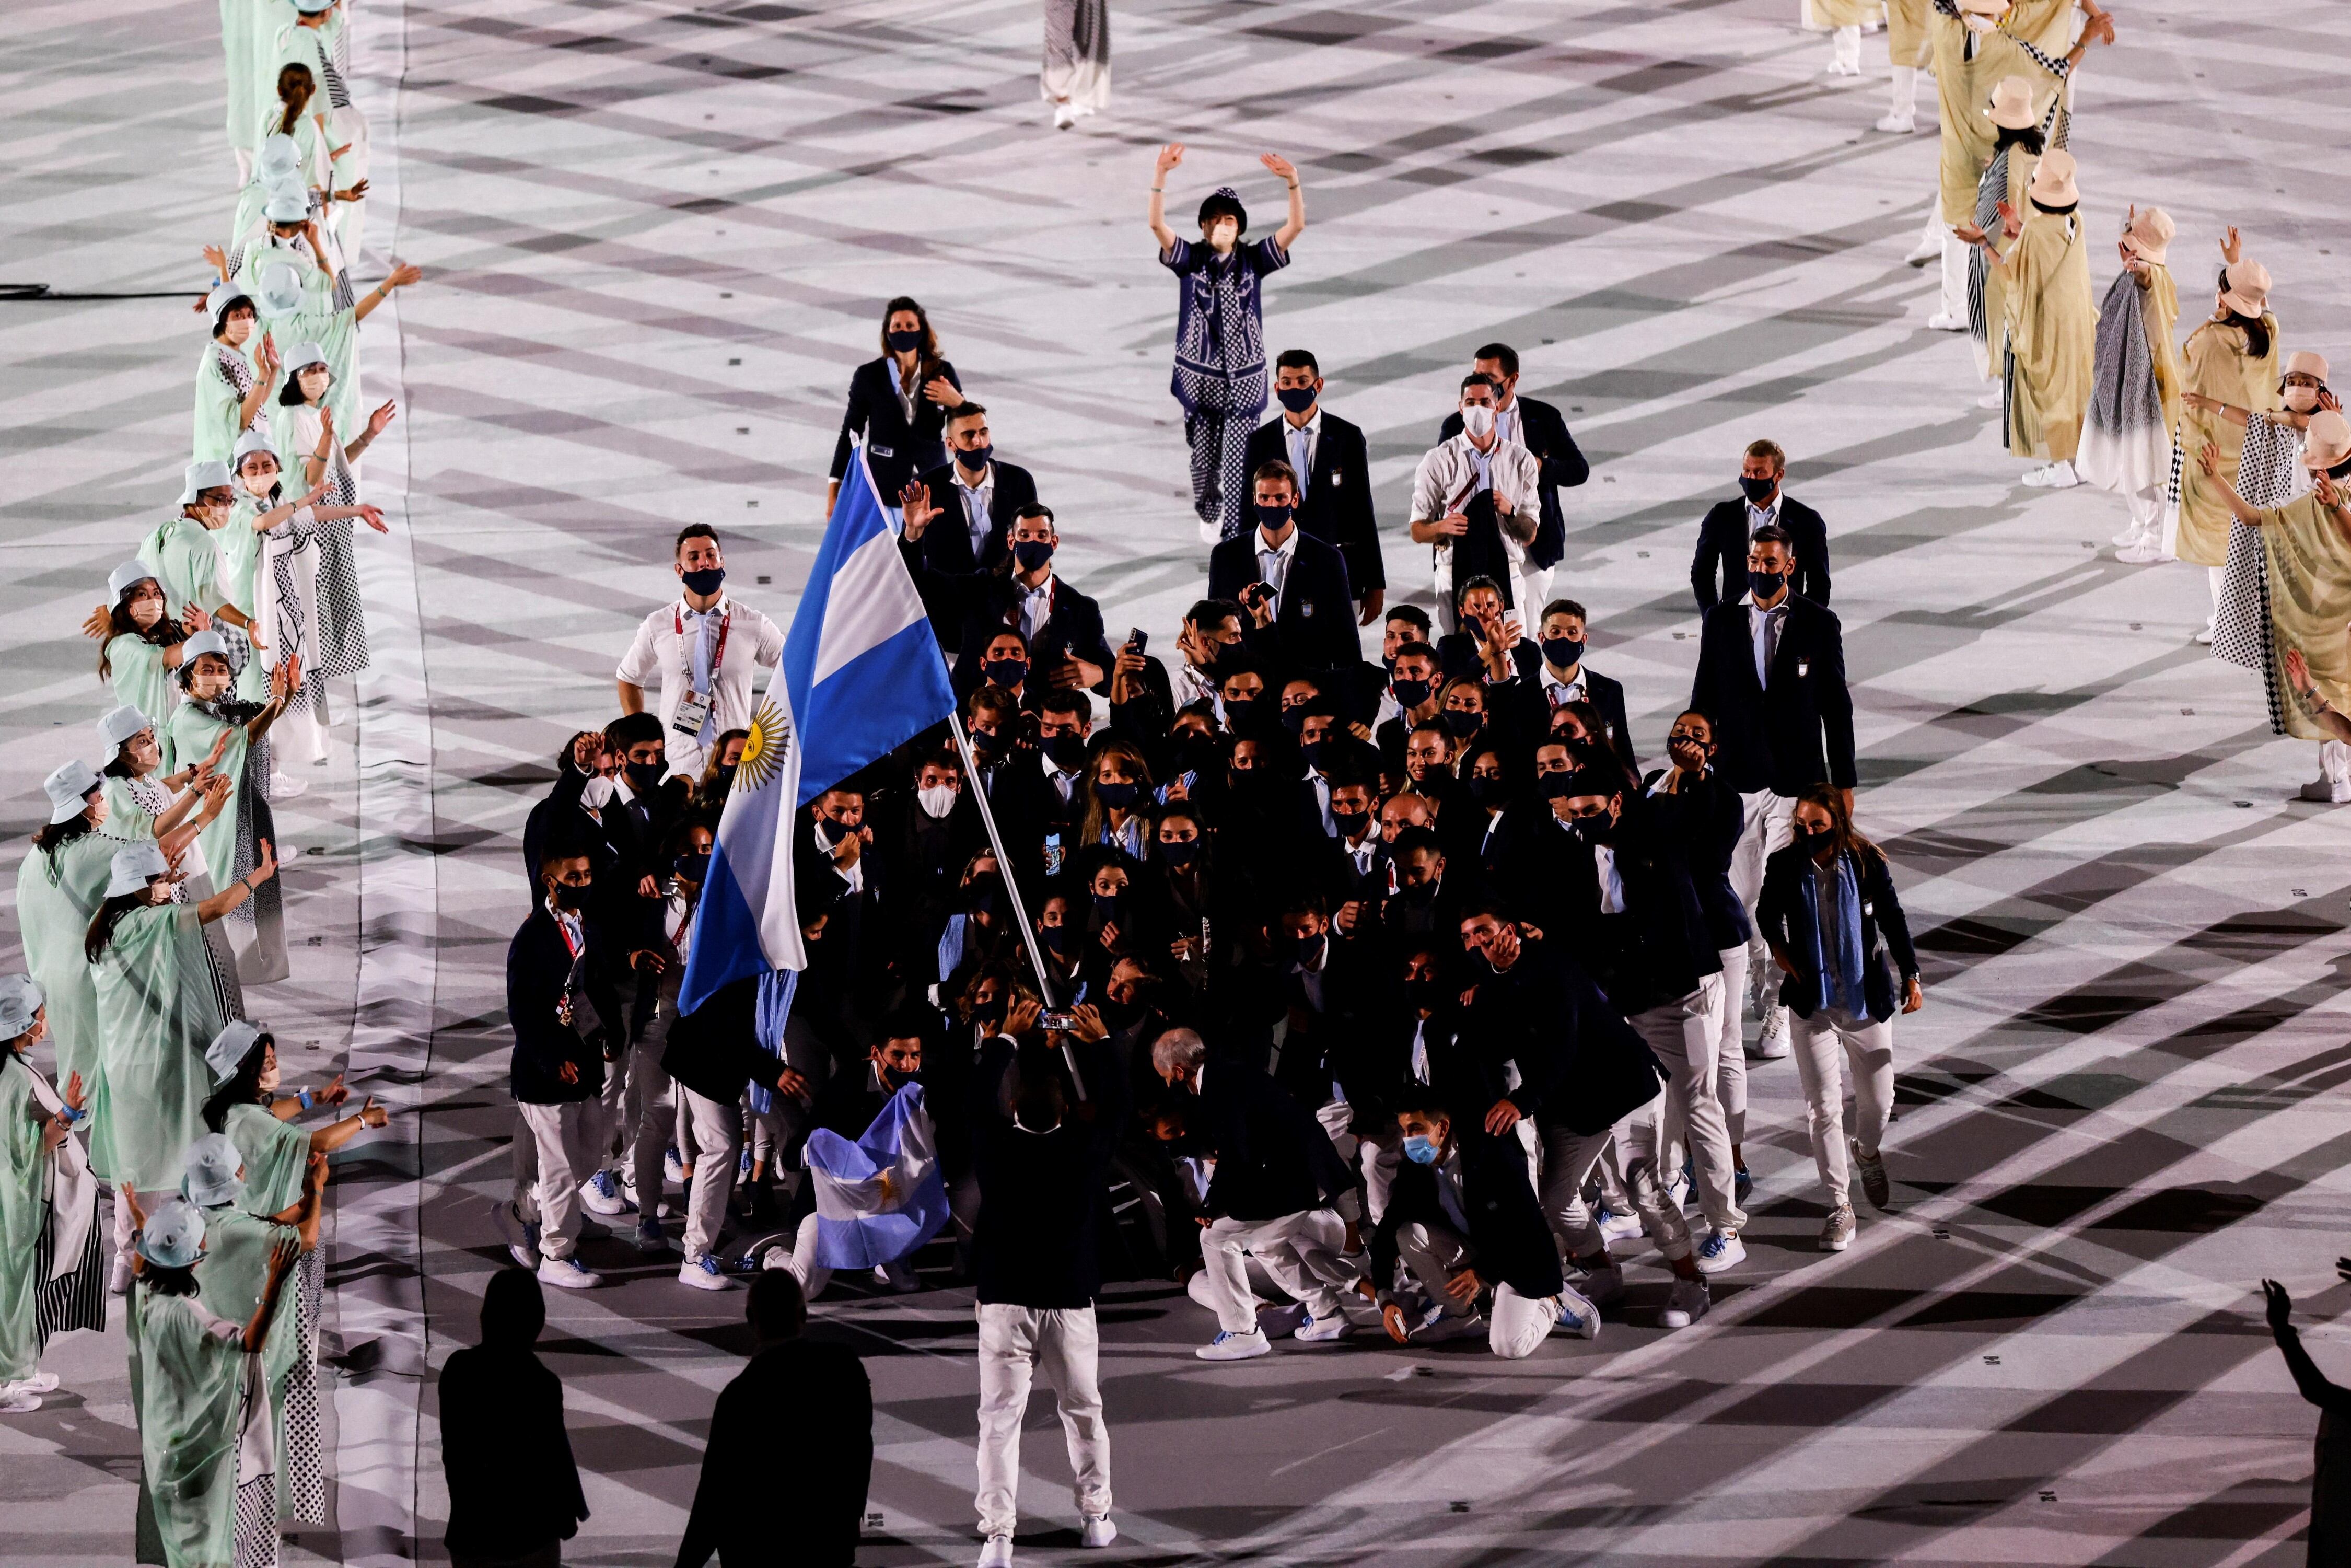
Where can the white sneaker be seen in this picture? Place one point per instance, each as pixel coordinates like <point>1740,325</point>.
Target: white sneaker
<point>1837,1232</point>
<point>1235,1346</point>
<point>673,1167</point>
<point>568,1274</point>
<point>1684,1304</point>
<point>2326,791</point>
<point>1900,125</point>
<point>15,1404</point>
<point>1721,1250</point>
<point>1064,116</point>
<point>1615,1227</point>
<point>1577,1314</point>
<point>2146,552</point>
<point>284,787</point>
<point>39,1382</point>
<point>997,1553</point>
<point>1440,1326</point>
<point>1321,1330</point>
<point>1773,1042</point>
<point>1991,400</point>
<point>1097,1529</point>
<point>2204,637</point>
<point>601,1194</point>
<point>1943,321</point>
<point>705,1273</point>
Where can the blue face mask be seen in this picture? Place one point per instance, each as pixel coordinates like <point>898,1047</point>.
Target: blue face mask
<point>1420,1151</point>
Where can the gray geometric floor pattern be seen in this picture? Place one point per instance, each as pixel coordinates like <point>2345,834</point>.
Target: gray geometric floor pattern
<point>656,237</point>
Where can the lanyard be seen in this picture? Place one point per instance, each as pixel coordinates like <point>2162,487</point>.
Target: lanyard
<point>718,654</point>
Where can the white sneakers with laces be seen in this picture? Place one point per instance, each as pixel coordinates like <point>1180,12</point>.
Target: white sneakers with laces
<point>1235,1346</point>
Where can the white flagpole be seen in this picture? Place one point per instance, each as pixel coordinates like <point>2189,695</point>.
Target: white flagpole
<point>1012,884</point>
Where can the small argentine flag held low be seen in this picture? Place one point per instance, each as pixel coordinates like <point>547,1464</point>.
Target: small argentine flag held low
<point>881,1198</point>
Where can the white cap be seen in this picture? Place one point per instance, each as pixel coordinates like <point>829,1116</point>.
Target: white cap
<point>122,723</point>
<point>173,1236</point>
<point>216,1171</point>
<point>212,473</point>
<point>229,1048</point>
<point>136,865</point>
<point>288,203</point>
<point>302,355</point>
<point>222,295</point>
<point>251,441</point>
<point>205,642</point>
<point>20,999</point>
<point>126,577</point>
<point>68,789</point>
<point>281,292</point>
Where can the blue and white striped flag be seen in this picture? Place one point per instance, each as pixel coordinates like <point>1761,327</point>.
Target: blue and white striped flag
<point>863,676</point>
<point>881,1198</point>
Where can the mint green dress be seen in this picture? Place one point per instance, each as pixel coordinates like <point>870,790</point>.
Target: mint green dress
<point>189,1373</point>
<point>56,895</point>
<point>185,556</point>
<point>187,738</point>
<point>157,1011</point>
<point>24,1216</point>
<point>277,1159</point>
<point>224,375</point>
<point>140,679</point>
<point>231,1282</point>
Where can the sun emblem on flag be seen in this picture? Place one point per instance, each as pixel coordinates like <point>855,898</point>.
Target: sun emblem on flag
<point>769,743</point>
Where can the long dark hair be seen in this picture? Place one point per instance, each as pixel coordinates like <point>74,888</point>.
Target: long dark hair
<point>295,87</point>
<point>109,915</point>
<point>166,633</point>
<point>168,1282</point>
<point>1841,832</point>
<point>2028,137</point>
<point>52,837</point>
<point>926,358</point>
<point>242,1089</point>
<point>2257,332</point>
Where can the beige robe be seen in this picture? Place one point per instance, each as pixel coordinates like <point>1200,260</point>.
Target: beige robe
<point>2309,565</point>
<point>1962,89</point>
<point>2216,363</point>
<point>2021,162</point>
<point>1906,38</point>
<point>2052,332</point>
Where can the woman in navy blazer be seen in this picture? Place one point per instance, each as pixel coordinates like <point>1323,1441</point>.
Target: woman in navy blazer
<point>899,404</point>
<point>1833,919</point>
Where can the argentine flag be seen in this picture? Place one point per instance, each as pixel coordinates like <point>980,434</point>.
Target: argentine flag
<point>863,676</point>
<point>881,1198</point>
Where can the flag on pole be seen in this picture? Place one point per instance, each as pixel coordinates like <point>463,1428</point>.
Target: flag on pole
<point>881,1198</point>
<point>861,675</point>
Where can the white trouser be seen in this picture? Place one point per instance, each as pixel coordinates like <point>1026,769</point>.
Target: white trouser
<point>1730,1064</point>
<point>713,1137</point>
<point>2214,575</point>
<point>1683,1035</point>
<point>1569,1161</point>
<point>801,1259</point>
<point>1821,1042</point>
<point>1299,1251</point>
<point>1518,1325</point>
<point>2335,762</point>
<point>1844,50</point>
<point>1016,1343</point>
<point>555,1152</point>
<point>639,1118</point>
<point>1534,582</point>
<point>1902,100</point>
<point>2147,514</point>
<point>1767,830</point>
<point>1379,1157</point>
<point>1955,271</point>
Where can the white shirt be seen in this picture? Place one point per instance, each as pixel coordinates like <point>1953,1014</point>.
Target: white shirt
<point>1558,693</point>
<point>976,500</point>
<point>1509,425</point>
<point>1064,783</point>
<point>1298,443</point>
<point>1759,517</point>
<point>1765,626</point>
<point>1273,562</point>
<point>1420,1051</point>
<point>1612,886</point>
<point>1192,686</point>
<point>662,657</point>
<point>1036,607</point>
<point>828,842</point>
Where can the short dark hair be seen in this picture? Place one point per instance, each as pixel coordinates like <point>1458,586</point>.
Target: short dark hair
<point>1298,360</point>
<point>1565,607</point>
<point>1036,509</point>
<point>1209,611</point>
<point>1413,840</point>
<point>1411,615</point>
<point>775,1307</point>
<point>967,409</point>
<point>692,531</point>
<point>946,757</point>
<point>1770,450</point>
<point>1276,469</point>
<point>1489,905</point>
<point>1773,534</point>
<point>634,730</point>
<point>1066,702</point>
<point>1462,593</point>
<point>1502,354</point>
<point>1417,648</point>
<point>1476,378</point>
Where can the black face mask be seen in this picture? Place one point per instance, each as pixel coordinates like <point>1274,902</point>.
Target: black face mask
<point>1032,553</point>
<point>1423,994</point>
<point>1297,400</point>
<point>1489,790</point>
<point>984,897</point>
<point>1107,906</point>
<point>704,581</point>
<point>1556,785</point>
<point>571,896</point>
<point>1120,1016</point>
<point>725,773</point>
<point>1464,722</point>
<point>1178,852</point>
<point>1410,694</point>
<point>1316,752</point>
<point>1812,841</point>
<point>1195,752</point>
<point>1066,750</point>
<point>985,746</point>
<point>1351,824</point>
<point>988,1014</point>
<point>1594,830</point>
<point>1122,796</point>
<point>1417,896</point>
<point>905,342</point>
<point>895,1079</point>
<point>1757,490</point>
<point>1764,584</point>
<point>1240,713</point>
<point>644,778</point>
<point>1272,519</point>
<point>1563,653</point>
<point>1300,950</point>
<point>693,867</point>
<point>1006,672</point>
<point>1293,719</point>
<point>975,459</point>
<point>1056,939</point>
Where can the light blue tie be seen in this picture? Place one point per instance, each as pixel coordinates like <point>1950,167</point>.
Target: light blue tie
<point>1297,457</point>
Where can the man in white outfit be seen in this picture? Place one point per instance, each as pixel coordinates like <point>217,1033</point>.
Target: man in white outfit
<point>1477,501</point>
<point>701,652</point>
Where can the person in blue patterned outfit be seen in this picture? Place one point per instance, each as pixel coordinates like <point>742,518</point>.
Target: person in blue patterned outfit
<point>1220,335</point>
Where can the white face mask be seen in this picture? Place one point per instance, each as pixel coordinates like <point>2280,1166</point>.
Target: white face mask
<point>937,800</point>
<point>1478,420</point>
<point>2302,400</point>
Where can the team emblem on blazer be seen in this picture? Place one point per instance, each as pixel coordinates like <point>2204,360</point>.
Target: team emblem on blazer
<point>1337,474</point>
<point>1803,666</point>
<point>1305,607</point>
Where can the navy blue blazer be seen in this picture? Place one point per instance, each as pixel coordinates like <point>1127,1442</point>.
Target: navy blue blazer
<point>895,449</point>
<point>1789,914</point>
<point>1315,627</point>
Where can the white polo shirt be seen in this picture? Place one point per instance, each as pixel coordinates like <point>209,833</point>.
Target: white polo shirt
<point>663,657</point>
